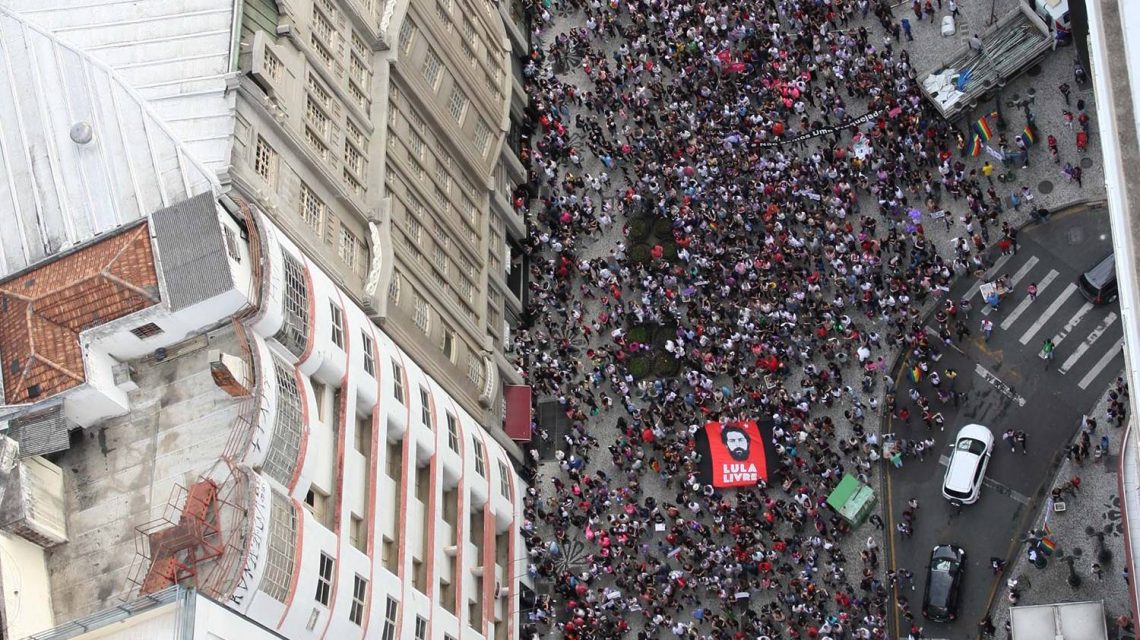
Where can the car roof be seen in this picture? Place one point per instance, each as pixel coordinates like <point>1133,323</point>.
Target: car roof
<point>1103,271</point>
<point>977,432</point>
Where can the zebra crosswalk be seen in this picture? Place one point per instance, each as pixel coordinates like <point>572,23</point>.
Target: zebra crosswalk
<point>1092,336</point>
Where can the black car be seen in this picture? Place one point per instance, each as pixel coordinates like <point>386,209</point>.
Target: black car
<point>943,581</point>
<point>1098,284</point>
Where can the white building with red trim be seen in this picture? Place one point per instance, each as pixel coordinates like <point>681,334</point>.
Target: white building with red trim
<point>346,495</point>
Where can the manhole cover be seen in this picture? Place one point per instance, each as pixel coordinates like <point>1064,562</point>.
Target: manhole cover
<point>1086,163</point>
<point>1045,187</point>
<point>1035,70</point>
<point>1076,236</point>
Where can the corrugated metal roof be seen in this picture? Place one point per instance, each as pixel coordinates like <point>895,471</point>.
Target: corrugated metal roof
<point>139,104</point>
<point>191,251</point>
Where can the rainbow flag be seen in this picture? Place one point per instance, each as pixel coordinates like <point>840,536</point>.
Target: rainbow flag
<point>982,126</point>
<point>976,147</point>
<point>1027,133</point>
<point>1049,546</point>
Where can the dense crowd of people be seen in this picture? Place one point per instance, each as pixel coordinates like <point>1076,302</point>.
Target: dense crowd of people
<point>792,270</point>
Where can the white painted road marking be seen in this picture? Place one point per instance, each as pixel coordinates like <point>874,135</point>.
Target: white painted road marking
<point>1069,326</point>
<point>994,484</point>
<point>1029,264</point>
<point>1061,299</point>
<point>1093,336</point>
<point>1101,364</point>
<point>998,384</point>
<point>1024,304</point>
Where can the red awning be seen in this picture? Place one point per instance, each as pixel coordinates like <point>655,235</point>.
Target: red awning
<point>518,411</point>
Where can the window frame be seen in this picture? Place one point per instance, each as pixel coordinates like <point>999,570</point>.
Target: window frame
<point>452,432</point>
<point>359,598</point>
<point>477,454</point>
<point>426,413</point>
<point>391,610</point>
<point>325,569</point>
<point>398,388</point>
<point>369,353</point>
<point>337,323</point>
<point>265,160</point>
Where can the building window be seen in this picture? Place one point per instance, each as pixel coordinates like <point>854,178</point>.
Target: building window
<point>393,460</point>
<point>337,324</point>
<point>362,438</point>
<point>312,209</point>
<point>317,118</point>
<point>265,161</point>
<point>468,29</point>
<point>353,159</point>
<point>421,628</point>
<point>475,370</point>
<point>398,382</point>
<point>422,314</point>
<point>394,288</point>
<point>353,133</point>
<point>425,407</point>
<point>313,139</point>
<point>452,433</point>
<point>439,258</point>
<point>482,137</point>
<point>477,451</point>
<point>407,34</point>
<point>272,66</point>
<point>449,345</point>
<point>358,71</point>
<point>504,480</point>
<point>354,185</point>
<point>390,609</point>
<point>359,597</point>
<point>324,579</point>
<point>295,330</point>
<point>282,544</point>
<point>433,68</point>
<point>317,502</point>
<point>369,356</point>
<point>346,247</point>
<point>148,330</point>
<point>457,104</point>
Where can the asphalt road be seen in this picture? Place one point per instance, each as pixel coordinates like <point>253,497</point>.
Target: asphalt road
<point>1007,386</point>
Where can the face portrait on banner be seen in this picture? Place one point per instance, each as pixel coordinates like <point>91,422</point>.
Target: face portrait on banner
<point>737,452</point>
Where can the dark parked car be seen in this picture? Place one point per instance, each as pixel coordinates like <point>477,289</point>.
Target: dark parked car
<point>1098,284</point>
<point>943,581</point>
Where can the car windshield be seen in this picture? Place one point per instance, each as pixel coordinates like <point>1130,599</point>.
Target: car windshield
<point>943,565</point>
<point>976,447</point>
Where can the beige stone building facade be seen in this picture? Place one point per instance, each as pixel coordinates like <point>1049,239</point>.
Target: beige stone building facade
<point>378,135</point>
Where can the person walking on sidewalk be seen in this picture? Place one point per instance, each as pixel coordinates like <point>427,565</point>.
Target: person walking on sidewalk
<point>1032,291</point>
<point>987,328</point>
<point>1047,351</point>
<point>1064,89</point>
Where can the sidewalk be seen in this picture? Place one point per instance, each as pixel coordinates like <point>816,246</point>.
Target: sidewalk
<point>1095,508</point>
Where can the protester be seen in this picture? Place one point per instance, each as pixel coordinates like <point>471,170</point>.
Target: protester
<point>779,236</point>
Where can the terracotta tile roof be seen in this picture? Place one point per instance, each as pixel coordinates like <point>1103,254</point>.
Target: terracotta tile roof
<point>43,310</point>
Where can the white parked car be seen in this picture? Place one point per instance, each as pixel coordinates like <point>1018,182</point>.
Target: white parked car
<point>968,462</point>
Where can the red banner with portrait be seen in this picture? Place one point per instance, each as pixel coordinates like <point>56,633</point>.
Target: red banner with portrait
<point>736,453</point>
